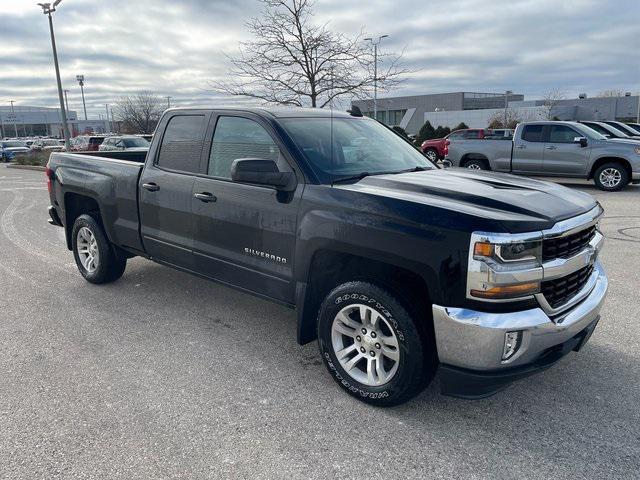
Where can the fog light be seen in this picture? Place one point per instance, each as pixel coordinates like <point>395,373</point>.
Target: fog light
<point>511,344</point>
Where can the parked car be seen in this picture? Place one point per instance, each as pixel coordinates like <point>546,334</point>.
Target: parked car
<point>123,143</point>
<point>635,127</point>
<point>47,145</point>
<point>554,149</point>
<point>16,147</point>
<point>607,130</point>
<point>436,149</point>
<point>5,156</point>
<point>387,259</point>
<point>624,128</point>
<point>86,143</point>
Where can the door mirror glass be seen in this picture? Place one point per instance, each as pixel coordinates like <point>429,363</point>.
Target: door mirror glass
<point>262,172</point>
<point>581,140</point>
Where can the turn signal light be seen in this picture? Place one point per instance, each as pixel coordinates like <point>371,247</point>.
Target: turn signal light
<point>508,291</point>
<point>483,249</point>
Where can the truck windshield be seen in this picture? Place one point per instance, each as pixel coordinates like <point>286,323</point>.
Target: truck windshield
<point>339,148</point>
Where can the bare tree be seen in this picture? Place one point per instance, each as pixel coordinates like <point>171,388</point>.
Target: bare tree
<point>292,61</point>
<point>614,92</point>
<point>551,100</point>
<point>139,113</point>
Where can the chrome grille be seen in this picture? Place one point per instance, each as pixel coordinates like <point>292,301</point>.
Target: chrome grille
<point>565,247</point>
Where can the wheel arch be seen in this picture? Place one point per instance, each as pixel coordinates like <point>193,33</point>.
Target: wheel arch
<point>474,156</point>
<point>329,268</point>
<point>76,204</point>
<point>602,160</point>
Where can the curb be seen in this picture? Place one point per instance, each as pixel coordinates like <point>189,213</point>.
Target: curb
<point>37,168</point>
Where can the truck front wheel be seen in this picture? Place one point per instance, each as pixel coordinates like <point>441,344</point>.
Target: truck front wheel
<point>96,258</point>
<point>611,177</point>
<point>476,164</point>
<point>373,348</point>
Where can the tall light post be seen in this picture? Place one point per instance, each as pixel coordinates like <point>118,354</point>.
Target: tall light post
<point>106,107</point>
<point>506,105</point>
<point>168,101</point>
<point>375,44</point>
<point>14,119</point>
<point>638,113</point>
<point>48,9</point>
<point>66,103</point>
<point>80,79</point>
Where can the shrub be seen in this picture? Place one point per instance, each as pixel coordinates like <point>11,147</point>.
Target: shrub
<point>426,132</point>
<point>33,158</point>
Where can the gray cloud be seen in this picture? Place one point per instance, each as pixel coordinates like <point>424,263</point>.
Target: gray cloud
<point>176,48</point>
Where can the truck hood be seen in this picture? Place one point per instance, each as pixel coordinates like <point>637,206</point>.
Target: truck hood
<point>507,201</point>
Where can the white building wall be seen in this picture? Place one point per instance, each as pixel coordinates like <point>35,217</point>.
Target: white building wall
<point>478,118</point>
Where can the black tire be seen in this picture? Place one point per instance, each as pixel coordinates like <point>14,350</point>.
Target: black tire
<point>476,164</point>
<point>111,263</point>
<point>613,168</point>
<point>417,362</point>
<point>431,154</point>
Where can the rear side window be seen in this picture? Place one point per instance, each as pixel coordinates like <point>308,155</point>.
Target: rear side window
<point>562,134</point>
<point>237,137</point>
<point>532,133</point>
<point>182,144</point>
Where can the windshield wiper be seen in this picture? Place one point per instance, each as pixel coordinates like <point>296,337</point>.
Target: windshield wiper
<point>361,175</point>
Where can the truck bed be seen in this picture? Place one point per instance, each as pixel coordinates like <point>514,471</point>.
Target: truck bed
<point>113,181</point>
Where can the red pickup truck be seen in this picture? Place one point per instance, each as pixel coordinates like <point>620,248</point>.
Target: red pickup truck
<point>436,148</point>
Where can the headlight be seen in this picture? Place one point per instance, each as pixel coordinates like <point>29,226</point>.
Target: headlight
<point>504,268</point>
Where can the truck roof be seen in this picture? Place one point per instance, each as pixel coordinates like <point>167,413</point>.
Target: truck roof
<point>277,112</point>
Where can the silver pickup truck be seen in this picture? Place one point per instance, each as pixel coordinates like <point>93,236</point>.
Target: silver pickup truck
<point>554,149</point>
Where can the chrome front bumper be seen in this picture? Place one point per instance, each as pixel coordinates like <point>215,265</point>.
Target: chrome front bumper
<point>474,340</point>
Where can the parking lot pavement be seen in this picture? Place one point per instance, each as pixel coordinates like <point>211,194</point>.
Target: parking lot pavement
<point>165,375</point>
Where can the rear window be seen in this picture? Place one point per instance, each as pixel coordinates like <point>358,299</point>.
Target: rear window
<point>96,140</point>
<point>532,133</point>
<point>182,143</point>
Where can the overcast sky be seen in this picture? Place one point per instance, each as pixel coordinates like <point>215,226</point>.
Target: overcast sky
<point>175,48</point>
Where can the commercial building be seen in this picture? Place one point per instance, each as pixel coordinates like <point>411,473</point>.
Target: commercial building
<point>25,121</point>
<point>409,112</point>
<point>477,109</point>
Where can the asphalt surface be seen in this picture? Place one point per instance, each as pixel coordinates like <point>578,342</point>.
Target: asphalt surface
<point>164,375</point>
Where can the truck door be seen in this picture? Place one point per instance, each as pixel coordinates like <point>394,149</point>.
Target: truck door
<point>245,235</point>
<point>562,155</point>
<point>166,189</point>
<point>527,150</point>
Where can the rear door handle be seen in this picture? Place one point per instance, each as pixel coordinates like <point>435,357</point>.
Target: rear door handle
<point>152,187</point>
<point>205,197</point>
<point>521,147</point>
<point>551,147</point>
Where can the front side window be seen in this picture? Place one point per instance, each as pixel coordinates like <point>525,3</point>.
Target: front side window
<point>338,148</point>
<point>182,143</point>
<point>237,137</point>
<point>532,133</point>
<point>562,134</point>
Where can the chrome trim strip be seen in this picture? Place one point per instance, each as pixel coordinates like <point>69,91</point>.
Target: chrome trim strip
<point>561,267</point>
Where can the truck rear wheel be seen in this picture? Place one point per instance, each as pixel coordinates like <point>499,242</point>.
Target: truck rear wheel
<point>611,177</point>
<point>97,259</point>
<point>372,346</point>
<point>476,164</point>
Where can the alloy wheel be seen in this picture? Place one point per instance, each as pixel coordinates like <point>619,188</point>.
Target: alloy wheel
<point>610,177</point>
<point>365,345</point>
<point>87,246</point>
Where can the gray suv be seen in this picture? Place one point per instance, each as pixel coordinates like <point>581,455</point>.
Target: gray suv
<point>554,149</point>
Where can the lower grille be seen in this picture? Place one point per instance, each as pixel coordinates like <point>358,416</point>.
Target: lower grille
<point>560,291</point>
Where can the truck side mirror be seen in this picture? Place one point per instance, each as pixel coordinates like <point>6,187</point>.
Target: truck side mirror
<point>258,171</point>
<point>581,140</point>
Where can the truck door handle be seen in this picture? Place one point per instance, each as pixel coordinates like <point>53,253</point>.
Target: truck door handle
<point>521,147</point>
<point>551,147</point>
<point>205,197</point>
<point>152,187</point>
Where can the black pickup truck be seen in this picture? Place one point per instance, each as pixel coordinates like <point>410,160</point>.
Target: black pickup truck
<point>397,267</point>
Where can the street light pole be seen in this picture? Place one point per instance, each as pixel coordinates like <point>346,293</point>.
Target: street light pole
<point>106,107</point>
<point>506,105</point>
<point>14,118</point>
<point>48,9</point>
<point>638,113</point>
<point>375,72</point>
<point>80,79</point>
<point>168,101</point>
